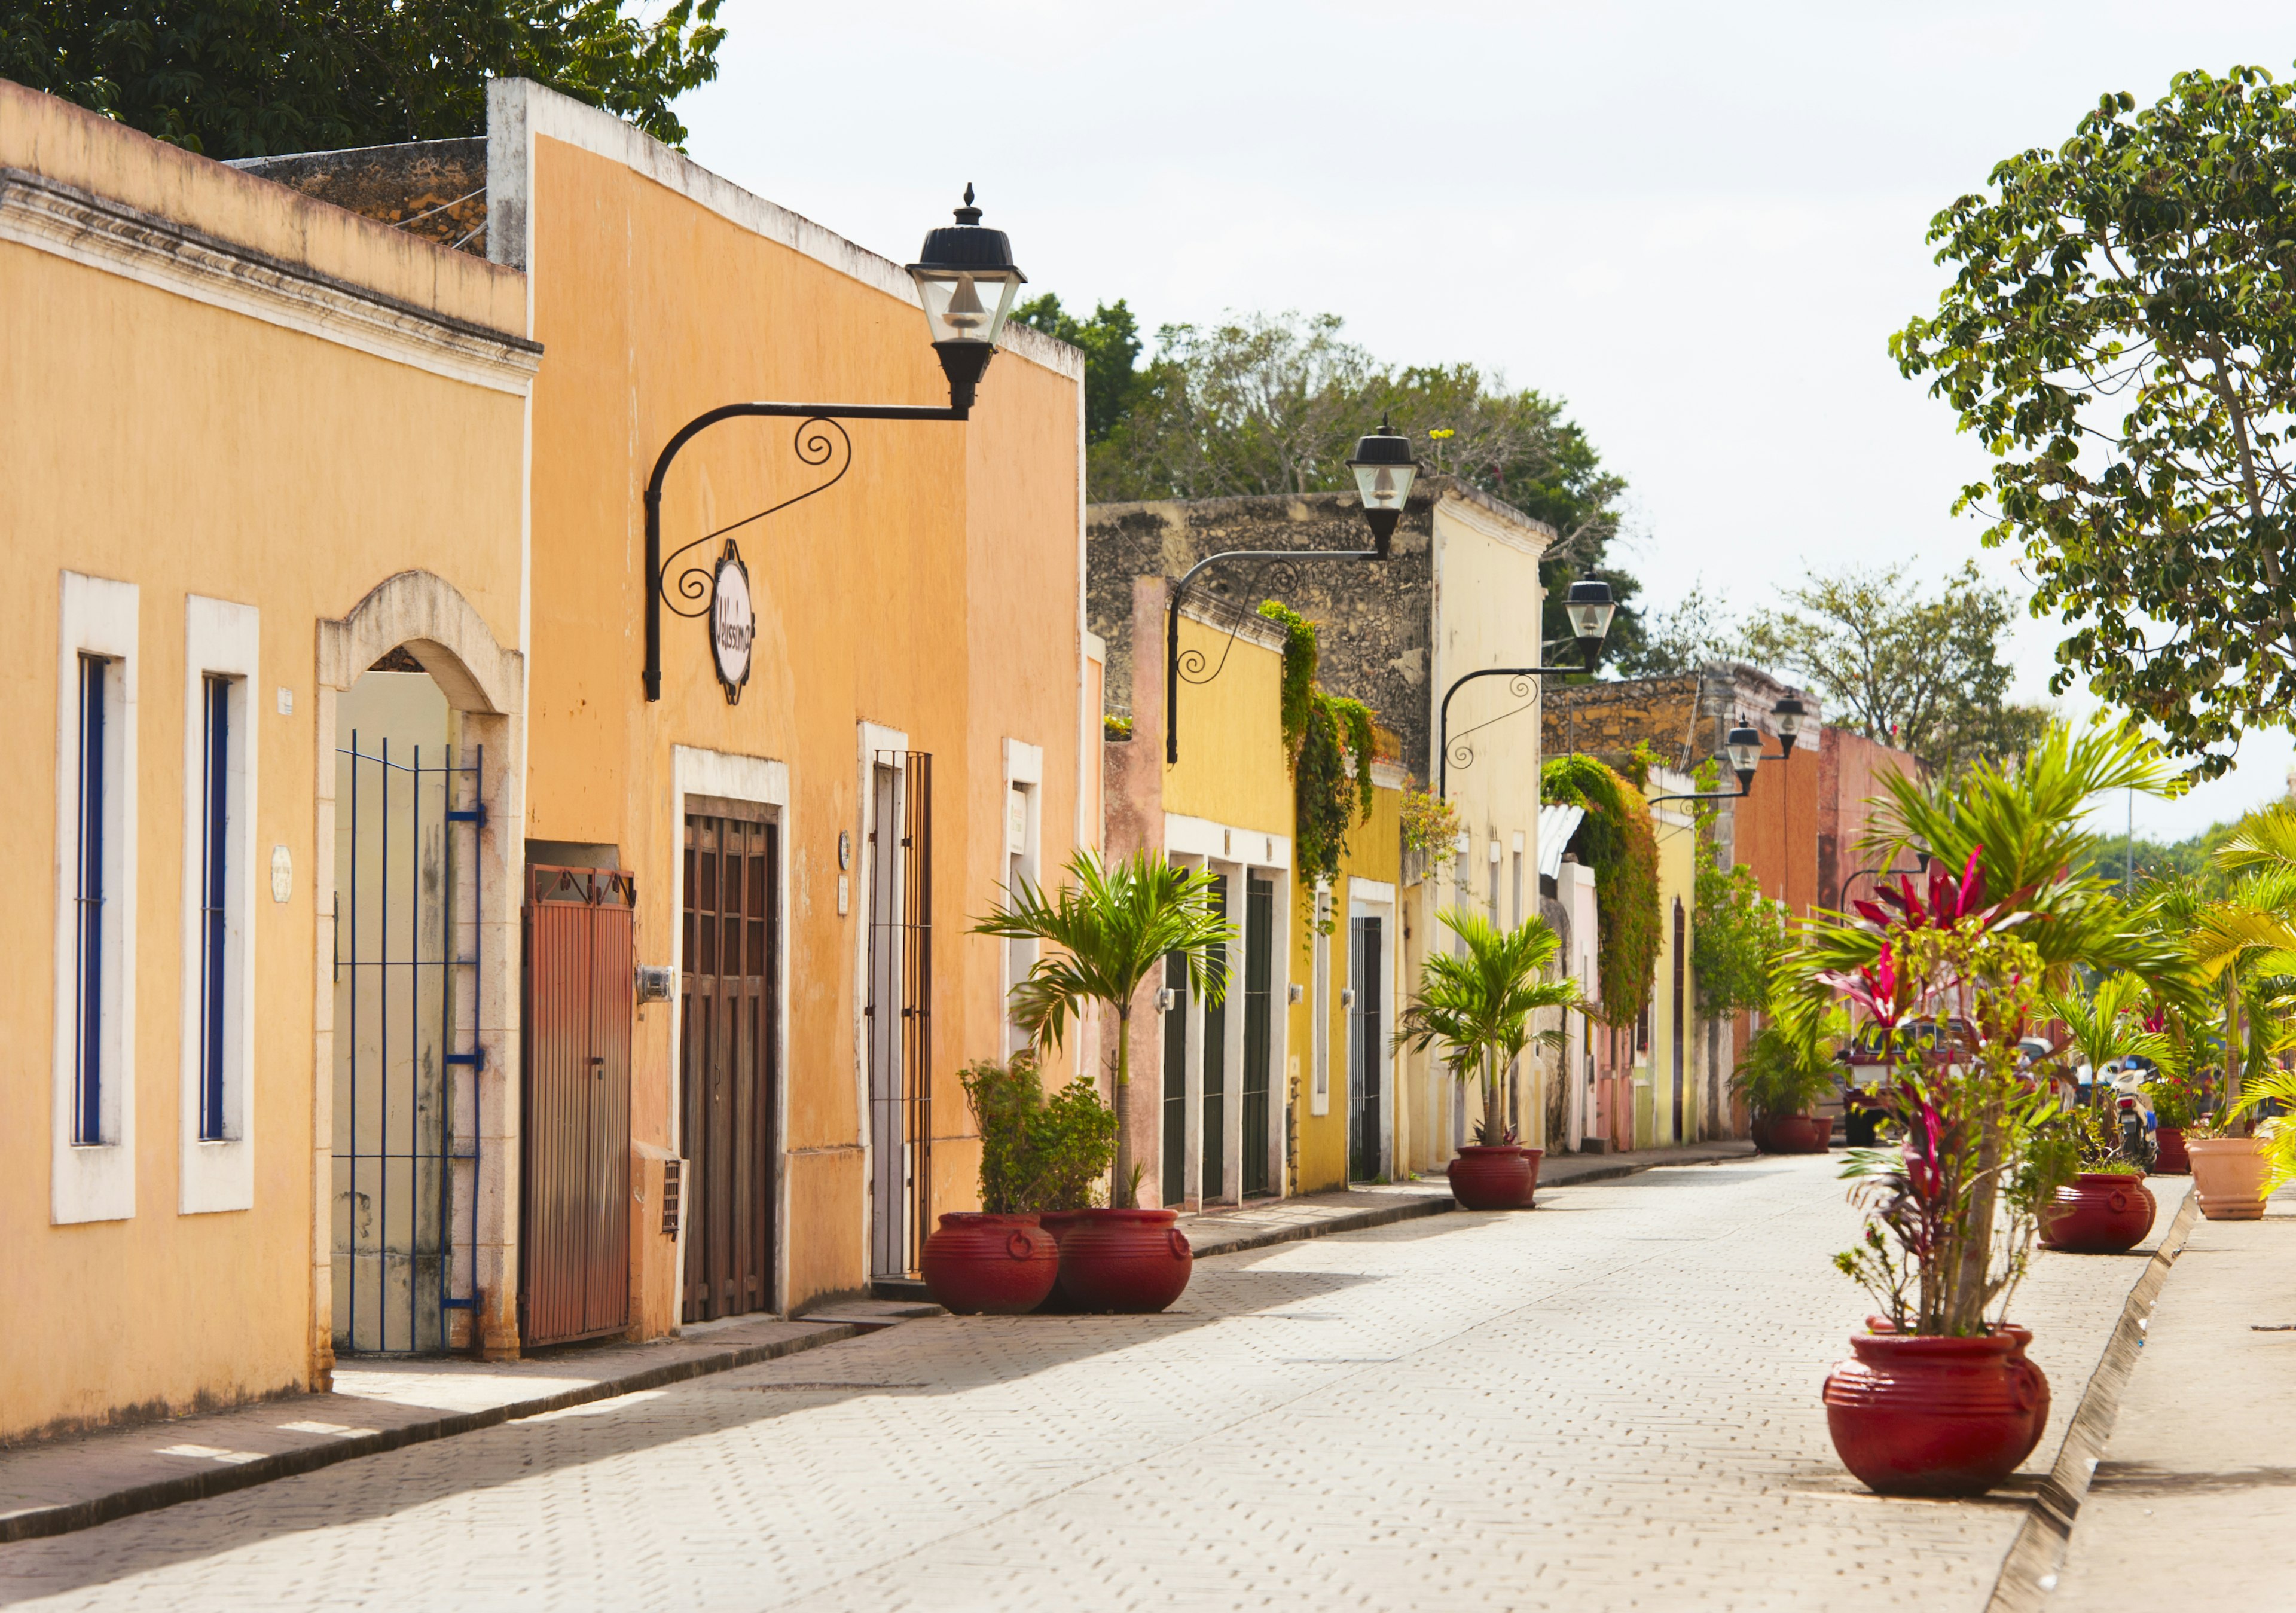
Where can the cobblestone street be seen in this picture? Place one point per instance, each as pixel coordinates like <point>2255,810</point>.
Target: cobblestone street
<point>1611,1403</point>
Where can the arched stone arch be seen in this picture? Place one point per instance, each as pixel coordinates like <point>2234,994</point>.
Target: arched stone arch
<point>428,617</point>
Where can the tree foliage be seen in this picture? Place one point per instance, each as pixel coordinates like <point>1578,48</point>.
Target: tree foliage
<point>1923,672</point>
<point>1737,937</point>
<point>2120,334</point>
<point>1264,403</point>
<point>259,77</point>
<point>1617,840</point>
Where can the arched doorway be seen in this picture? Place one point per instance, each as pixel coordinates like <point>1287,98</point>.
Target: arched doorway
<point>416,888</point>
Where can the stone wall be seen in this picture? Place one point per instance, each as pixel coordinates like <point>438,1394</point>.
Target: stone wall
<point>436,189</point>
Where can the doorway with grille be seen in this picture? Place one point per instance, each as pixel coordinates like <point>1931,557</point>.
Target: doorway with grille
<point>896,1017</point>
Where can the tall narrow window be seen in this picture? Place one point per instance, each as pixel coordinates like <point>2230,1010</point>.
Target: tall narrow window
<point>215,892</point>
<point>88,896</point>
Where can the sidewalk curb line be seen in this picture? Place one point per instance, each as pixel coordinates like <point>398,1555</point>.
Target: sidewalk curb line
<point>2038,1550</point>
<point>34,1523</point>
<point>1354,1221</point>
<point>1434,1204</point>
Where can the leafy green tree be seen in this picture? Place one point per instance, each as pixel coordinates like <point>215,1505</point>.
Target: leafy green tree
<point>1681,640</point>
<point>1111,343</point>
<point>1114,923</point>
<point>2120,334</point>
<point>1924,673</point>
<point>260,78</point>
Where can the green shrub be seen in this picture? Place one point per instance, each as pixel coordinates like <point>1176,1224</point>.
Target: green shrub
<point>1037,1154</point>
<point>1782,1075</point>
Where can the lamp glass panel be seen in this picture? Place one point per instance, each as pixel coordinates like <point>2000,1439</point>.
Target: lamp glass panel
<point>1590,621</point>
<point>961,305</point>
<point>1385,487</point>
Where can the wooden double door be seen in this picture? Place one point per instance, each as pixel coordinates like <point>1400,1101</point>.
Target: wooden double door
<point>728,1063</point>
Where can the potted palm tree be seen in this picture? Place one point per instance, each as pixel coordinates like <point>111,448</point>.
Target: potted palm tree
<point>1113,924</point>
<point>2106,1208</point>
<point>1788,1071</point>
<point>2238,943</point>
<point>1478,1003</point>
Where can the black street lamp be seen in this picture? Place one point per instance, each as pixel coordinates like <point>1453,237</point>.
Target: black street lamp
<point>1743,746</point>
<point>1790,714</point>
<point>966,279</point>
<point>1588,606</point>
<point>1384,471</point>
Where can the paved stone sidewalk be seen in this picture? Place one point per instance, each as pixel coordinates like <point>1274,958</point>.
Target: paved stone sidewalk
<point>2197,1490</point>
<point>1611,1403</point>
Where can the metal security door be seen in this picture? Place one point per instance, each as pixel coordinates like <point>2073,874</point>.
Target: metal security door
<point>574,1222</point>
<point>898,1015</point>
<point>406,938</point>
<point>1681,959</point>
<point>1258,937</point>
<point>728,1070</point>
<point>1174,1028</point>
<point>1364,1096</point>
<point>1214,1139</point>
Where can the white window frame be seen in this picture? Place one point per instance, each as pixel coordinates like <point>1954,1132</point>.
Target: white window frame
<point>1024,780</point>
<point>96,1182</point>
<point>221,639</point>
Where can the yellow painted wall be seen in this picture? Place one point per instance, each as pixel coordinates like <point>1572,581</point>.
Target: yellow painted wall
<point>1374,847</point>
<point>932,591</point>
<point>154,439</point>
<point>1677,882</point>
<point>1233,769</point>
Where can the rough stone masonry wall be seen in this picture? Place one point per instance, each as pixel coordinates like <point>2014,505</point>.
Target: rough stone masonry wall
<point>1374,616</point>
<point>436,189</point>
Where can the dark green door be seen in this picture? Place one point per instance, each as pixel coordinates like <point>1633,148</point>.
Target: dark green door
<point>1364,1120</point>
<point>1174,1026</point>
<point>1259,938</point>
<point>1214,1137</point>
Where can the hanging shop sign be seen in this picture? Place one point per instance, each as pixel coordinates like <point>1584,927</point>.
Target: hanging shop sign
<point>732,624</point>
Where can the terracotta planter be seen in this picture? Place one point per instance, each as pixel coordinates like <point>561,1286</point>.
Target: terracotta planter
<point>2018,1338</point>
<point>2229,1175</point>
<point>989,1266</point>
<point>2171,1161</point>
<point>1793,1134</point>
<point>1934,1416</point>
<point>2099,1213</point>
<point>1133,1261</point>
<point>1498,1177</point>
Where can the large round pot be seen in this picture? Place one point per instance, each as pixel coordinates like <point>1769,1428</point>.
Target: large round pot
<point>2099,1213</point>
<point>989,1266</point>
<point>2172,1160</point>
<point>1918,1416</point>
<point>2229,1175</point>
<point>1130,1261</point>
<point>2018,1338</point>
<point>1793,1134</point>
<point>1494,1176</point>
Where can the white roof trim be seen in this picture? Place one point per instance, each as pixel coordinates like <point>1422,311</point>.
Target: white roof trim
<point>1556,825</point>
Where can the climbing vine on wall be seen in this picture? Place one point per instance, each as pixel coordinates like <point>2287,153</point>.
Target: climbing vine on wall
<point>1322,732</point>
<point>1617,840</point>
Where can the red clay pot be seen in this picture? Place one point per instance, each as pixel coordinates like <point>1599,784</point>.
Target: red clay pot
<point>2019,1339</point>
<point>1793,1135</point>
<point>2099,1213</point>
<point>2173,1160</point>
<point>1918,1416</point>
<point>1133,1261</point>
<point>1498,1177</point>
<point>989,1266</point>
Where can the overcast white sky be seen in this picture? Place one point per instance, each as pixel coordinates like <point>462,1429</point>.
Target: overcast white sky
<point>1698,224</point>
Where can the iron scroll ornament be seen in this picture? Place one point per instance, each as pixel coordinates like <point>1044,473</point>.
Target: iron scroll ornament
<point>1286,558</point>
<point>1275,579</point>
<point>700,591</point>
<point>696,586</point>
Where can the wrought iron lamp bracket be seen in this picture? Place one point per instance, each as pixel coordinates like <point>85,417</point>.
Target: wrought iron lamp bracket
<point>1280,559</point>
<point>1522,683</point>
<point>813,446</point>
